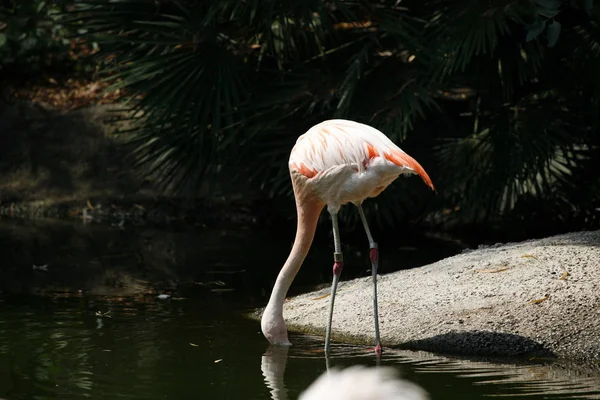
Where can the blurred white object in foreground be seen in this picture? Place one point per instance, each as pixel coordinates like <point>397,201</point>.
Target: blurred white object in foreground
<point>361,383</point>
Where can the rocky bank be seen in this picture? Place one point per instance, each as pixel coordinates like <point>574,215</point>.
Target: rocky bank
<point>538,298</point>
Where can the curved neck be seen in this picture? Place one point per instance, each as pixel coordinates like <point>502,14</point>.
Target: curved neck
<point>308,216</point>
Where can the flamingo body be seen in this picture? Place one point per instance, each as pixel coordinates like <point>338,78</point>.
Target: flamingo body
<point>344,161</point>
<point>334,163</point>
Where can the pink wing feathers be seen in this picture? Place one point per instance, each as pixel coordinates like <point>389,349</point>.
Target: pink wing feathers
<point>341,142</point>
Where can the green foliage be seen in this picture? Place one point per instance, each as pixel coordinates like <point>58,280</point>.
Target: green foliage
<point>498,100</point>
<point>34,41</point>
<point>29,30</point>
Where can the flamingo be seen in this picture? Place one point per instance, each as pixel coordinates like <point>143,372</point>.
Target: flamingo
<point>334,163</point>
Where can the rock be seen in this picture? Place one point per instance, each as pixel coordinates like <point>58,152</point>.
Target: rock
<point>513,304</point>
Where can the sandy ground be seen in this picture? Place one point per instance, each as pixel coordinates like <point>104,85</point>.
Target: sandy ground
<point>536,298</point>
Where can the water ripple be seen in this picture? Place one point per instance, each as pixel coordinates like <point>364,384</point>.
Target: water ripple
<point>72,348</point>
<point>478,378</point>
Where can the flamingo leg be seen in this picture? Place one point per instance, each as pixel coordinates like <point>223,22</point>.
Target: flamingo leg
<point>338,264</point>
<point>374,256</point>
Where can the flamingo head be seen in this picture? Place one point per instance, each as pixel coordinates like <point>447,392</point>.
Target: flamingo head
<point>273,327</point>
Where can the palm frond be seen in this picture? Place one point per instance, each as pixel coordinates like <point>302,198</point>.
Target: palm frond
<point>522,154</point>
<point>235,83</point>
<point>409,102</point>
<point>183,80</point>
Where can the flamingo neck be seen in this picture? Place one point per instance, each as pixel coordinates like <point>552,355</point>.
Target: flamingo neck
<point>272,322</point>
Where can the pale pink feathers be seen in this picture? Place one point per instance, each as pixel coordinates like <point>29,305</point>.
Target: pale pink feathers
<point>345,161</point>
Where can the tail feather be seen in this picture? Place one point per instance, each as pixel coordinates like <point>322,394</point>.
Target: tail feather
<point>404,160</point>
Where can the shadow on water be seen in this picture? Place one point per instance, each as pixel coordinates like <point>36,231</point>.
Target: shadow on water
<point>90,323</point>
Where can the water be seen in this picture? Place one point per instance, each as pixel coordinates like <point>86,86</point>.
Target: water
<point>91,326</point>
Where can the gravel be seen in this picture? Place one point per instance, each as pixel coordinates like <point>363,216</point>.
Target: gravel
<point>535,298</point>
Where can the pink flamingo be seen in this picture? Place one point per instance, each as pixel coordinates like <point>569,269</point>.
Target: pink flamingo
<point>334,163</point>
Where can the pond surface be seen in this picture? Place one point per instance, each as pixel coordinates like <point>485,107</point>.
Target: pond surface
<point>90,324</point>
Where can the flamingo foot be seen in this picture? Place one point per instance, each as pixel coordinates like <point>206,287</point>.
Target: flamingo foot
<point>378,350</point>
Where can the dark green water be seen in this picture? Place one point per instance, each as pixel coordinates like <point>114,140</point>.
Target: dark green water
<point>195,344</point>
